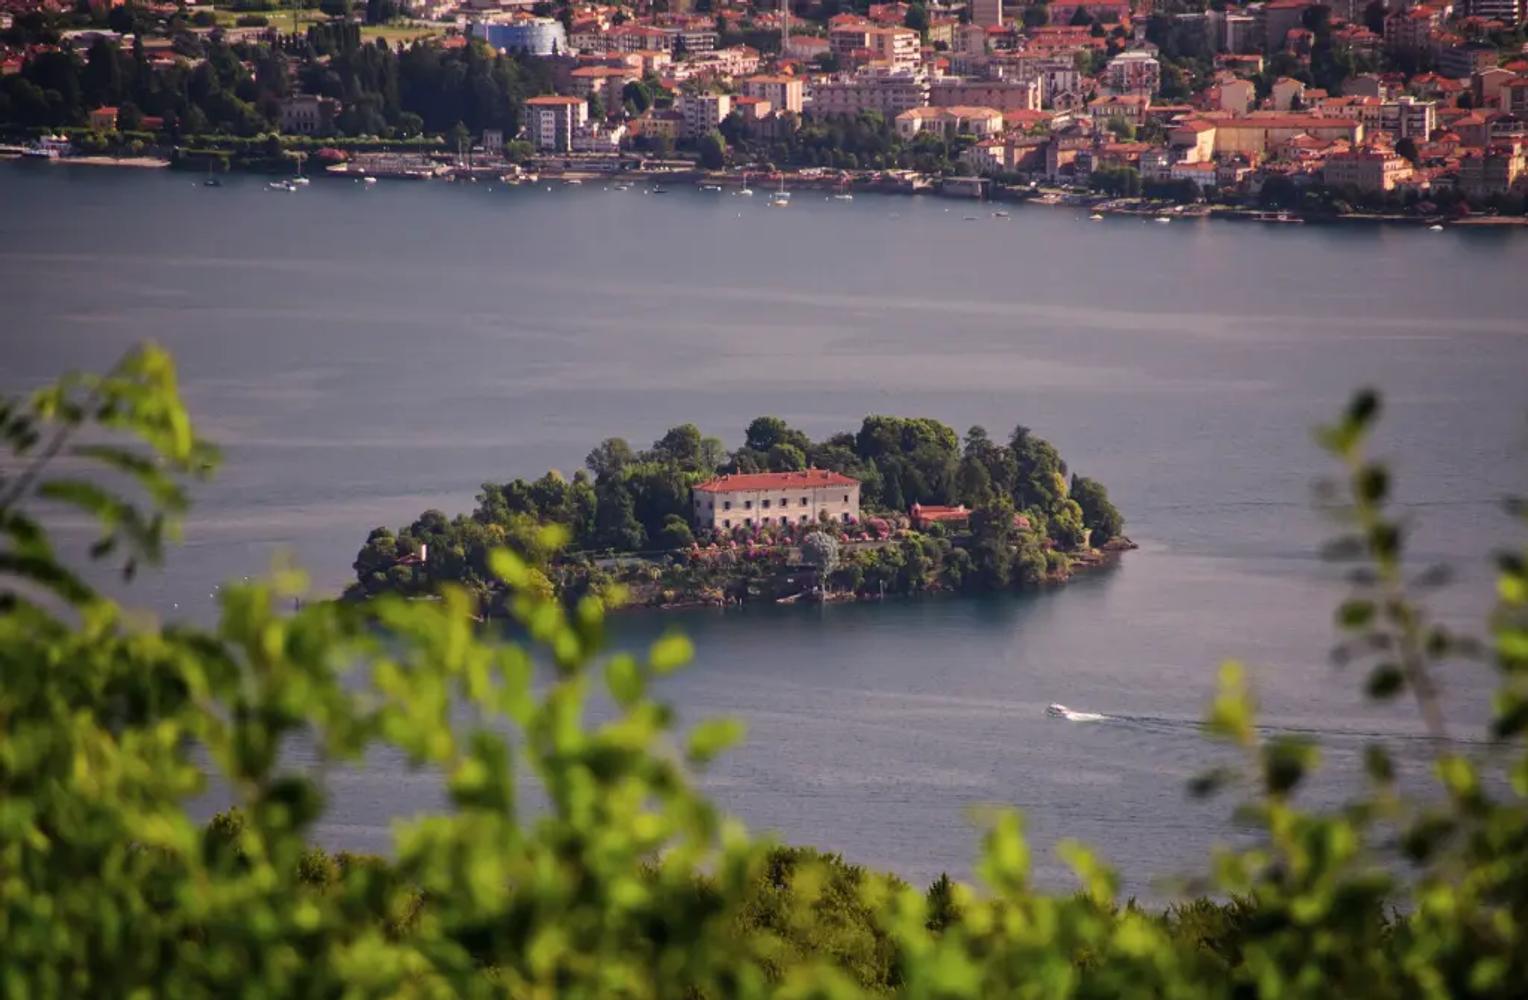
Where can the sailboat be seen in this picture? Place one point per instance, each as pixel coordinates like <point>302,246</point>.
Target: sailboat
<point>843,191</point>
<point>745,190</point>
<point>782,197</point>
<point>211,180</point>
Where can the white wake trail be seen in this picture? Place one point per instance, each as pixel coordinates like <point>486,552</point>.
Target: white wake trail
<point>1062,712</point>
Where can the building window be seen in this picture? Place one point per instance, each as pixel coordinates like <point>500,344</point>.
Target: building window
<point>803,501</point>
<point>748,522</point>
<point>846,517</point>
<point>803,518</point>
<point>726,505</point>
<point>765,504</point>
<point>727,522</point>
<point>846,498</point>
<point>748,505</point>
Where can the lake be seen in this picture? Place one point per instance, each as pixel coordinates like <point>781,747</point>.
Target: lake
<point>364,354</point>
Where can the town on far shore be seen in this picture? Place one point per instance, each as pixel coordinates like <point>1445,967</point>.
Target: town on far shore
<point>1278,110</point>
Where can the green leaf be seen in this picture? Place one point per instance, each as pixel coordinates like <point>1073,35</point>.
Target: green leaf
<point>670,653</point>
<point>1355,614</point>
<point>149,474</point>
<point>624,679</point>
<point>712,737</point>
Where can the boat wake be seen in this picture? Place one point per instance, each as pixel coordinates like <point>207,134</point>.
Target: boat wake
<point>1062,712</point>
<point>1334,736</point>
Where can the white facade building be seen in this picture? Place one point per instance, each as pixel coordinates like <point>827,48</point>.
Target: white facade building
<point>775,499</point>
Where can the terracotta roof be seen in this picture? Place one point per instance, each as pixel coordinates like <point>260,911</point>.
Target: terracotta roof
<point>775,481</point>
<point>1261,120</point>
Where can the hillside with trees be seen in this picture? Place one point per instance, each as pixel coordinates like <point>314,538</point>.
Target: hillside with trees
<point>235,88</point>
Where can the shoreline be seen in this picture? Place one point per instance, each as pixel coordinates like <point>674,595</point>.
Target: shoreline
<point>1108,557</point>
<point>1044,198</point>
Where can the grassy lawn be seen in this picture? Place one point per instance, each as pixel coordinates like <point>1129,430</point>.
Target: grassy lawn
<point>281,19</point>
<point>395,33</point>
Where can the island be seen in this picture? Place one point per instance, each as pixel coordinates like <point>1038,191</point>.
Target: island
<point>902,506</point>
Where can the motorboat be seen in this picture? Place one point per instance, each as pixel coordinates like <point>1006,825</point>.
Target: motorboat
<point>715,188</point>
<point>1095,217</point>
<point>1056,711</point>
<point>1162,218</point>
<point>49,147</point>
<point>368,179</point>
<point>1435,228</point>
<point>1000,215</point>
<point>287,186</point>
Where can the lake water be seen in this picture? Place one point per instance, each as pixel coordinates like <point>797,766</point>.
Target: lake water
<point>364,354</point>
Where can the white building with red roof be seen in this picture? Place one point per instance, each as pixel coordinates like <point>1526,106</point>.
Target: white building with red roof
<point>776,499</point>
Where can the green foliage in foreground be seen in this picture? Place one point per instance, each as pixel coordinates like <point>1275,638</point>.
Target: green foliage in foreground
<point>630,883</point>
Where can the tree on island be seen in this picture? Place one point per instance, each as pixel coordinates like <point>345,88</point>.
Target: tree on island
<point>1101,517</point>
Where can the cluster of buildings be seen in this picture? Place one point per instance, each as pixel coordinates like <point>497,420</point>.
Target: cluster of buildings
<point>1059,98</point>
<point>1053,92</point>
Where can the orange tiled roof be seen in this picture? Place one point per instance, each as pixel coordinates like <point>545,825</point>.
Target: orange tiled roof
<point>745,481</point>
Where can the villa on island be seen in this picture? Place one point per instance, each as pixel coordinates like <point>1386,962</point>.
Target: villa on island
<point>749,499</point>
<point>924,515</point>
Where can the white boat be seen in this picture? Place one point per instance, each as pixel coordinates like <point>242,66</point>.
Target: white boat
<point>1000,215</point>
<point>843,196</point>
<point>49,147</point>
<point>746,192</point>
<point>711,187</point>
<point>298,181</point>
<point>781,197</point>
<point>1095,217</point>
<point>572,181</point>
<point>368,179</point>
<point>620,187</point>
<point>1435,228</point>
<point>1162,218</point>
<point>282,186</point>
<point>1056,711</point>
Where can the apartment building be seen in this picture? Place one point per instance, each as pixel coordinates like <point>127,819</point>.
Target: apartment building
<point>1134,72</point>
<point>1368,169</point>
<point>550,121</point>
<point>890,93</point>
<point>784,93</point>
<point>703,112</point>
<point>1004,95</point>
